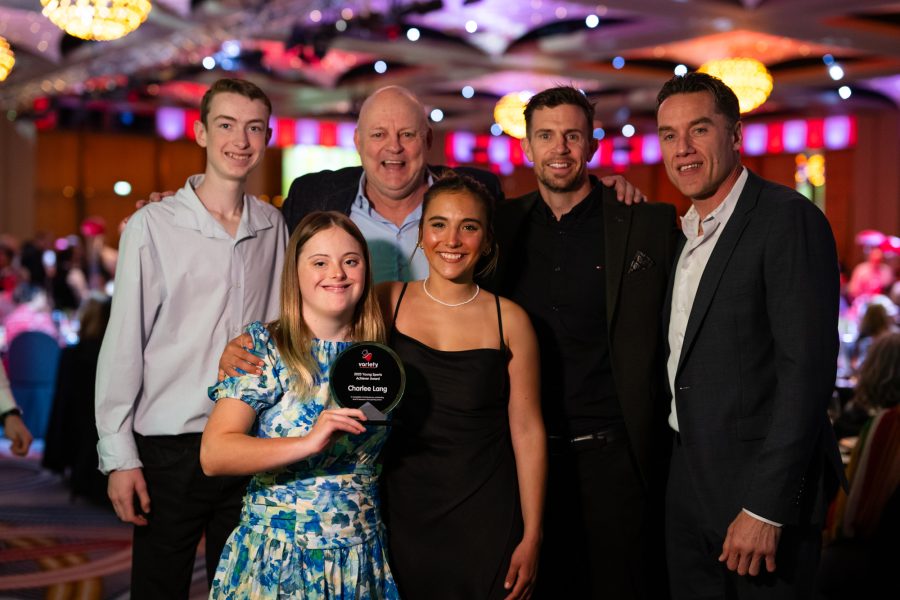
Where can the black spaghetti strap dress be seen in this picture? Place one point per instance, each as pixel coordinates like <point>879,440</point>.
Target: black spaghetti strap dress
<point>451,495</point>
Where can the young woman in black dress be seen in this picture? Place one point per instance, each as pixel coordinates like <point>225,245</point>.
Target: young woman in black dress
<point>465,465</point>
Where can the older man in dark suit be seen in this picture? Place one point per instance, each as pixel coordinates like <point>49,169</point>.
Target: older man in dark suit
<point>751,319</point>
<point>591,273</point>
<point>383,196</point>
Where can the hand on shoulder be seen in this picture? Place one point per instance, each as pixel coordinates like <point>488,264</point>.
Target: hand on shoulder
<point>142,202</point>
<point>625,191</point>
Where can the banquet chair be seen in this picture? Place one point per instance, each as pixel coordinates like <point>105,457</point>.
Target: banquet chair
<point>33,361</point>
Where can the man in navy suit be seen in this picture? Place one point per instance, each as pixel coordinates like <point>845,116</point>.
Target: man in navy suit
<point>751,320</point>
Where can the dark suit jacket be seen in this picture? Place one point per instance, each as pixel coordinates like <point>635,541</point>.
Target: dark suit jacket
<point>758,363</point>
<point>633,306</point>
<point>336,190</point>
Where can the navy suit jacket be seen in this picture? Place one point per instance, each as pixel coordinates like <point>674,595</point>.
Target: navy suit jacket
<point>336,190</point>
<point>758,363</point>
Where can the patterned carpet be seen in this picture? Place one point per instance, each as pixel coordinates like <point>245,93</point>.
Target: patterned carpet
<point>55,547</point>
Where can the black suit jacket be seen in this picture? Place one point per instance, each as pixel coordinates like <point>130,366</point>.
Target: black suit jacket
<point>634,299</point>
<point>336,190</point>
<point>758,363</point>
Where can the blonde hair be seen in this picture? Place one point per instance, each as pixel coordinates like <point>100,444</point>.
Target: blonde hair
<point>292,335</point>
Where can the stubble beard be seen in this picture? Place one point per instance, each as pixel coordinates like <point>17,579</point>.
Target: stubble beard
<point>563,186</point>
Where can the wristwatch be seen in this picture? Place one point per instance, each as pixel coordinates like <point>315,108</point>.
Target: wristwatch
<point>13,411</point>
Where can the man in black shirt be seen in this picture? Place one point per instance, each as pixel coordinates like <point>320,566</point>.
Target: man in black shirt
<point>591,272</point>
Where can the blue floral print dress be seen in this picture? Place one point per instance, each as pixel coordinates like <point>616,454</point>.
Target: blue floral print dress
<point>312,529</point>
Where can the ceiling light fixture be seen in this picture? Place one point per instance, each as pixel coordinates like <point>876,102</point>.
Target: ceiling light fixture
<point>747,77</point>
<point>100,20</point>
<point>7,59</point>
<point>509,113</point>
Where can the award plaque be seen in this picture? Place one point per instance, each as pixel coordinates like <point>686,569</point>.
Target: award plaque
<point>368,376</point>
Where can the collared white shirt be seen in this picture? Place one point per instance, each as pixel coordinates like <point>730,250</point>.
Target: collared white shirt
<point>393,249</point>
<point>689,270</point>
<point>183,288</point>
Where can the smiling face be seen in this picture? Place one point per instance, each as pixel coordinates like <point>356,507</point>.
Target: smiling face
<point>700,148</point>
<point>235,135</point>
<point>560,145</point>
<point>331,271</point>
<point>392,137</point>
<point>454,235</point>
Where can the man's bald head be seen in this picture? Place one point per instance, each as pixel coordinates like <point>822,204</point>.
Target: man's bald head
<point>399,98</point>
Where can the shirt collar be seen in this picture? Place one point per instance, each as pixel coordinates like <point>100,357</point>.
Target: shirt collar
<point>191,214</point>
<point>579,211</point>
<point>362,202</point>
<point>691,220</point>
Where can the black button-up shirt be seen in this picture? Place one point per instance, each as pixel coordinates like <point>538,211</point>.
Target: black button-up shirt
<point>561,284</point>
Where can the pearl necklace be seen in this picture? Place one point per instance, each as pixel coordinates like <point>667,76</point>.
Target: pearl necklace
<point>448,304</point>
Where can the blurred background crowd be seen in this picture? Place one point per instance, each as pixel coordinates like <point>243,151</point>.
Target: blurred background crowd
<point>61,287</point>
<point>55,296</point>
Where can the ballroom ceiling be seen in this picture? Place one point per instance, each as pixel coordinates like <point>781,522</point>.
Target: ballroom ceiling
<point>320,59</point>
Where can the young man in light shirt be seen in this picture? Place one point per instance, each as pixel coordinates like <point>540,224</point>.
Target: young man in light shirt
<point>193,270</point>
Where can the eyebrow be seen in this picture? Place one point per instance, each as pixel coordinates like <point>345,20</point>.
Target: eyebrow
<point>233,120</point>
<point>326,255</point>
<point>466,220</point>
<point>399,130</point>
<point>701,120</point>
<point>549,130</point>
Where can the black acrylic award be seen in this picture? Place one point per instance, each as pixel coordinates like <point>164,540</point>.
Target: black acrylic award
<point>368,376</point>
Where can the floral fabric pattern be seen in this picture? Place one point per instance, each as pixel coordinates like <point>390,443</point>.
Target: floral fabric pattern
<point>312,529</point>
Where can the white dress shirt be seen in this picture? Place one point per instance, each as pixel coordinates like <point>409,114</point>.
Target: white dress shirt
<point>393,248</point>
<point>184,287</point>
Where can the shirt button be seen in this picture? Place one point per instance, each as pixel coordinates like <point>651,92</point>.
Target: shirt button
<point>555,308</point>
<point>557,269</point>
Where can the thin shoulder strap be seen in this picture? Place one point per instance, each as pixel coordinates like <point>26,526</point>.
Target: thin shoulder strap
<point>499,323</point>
<point>399,300</point>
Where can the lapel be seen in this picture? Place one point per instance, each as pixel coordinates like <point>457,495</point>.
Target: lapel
<point>667,305</point>
<point>342,196</point>
<point>718,260</point>
<point>508,221</point>
<point>616,224</point>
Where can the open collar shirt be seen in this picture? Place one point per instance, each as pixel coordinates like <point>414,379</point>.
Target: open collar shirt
<point>393,248</point>
<point>184,287</point>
